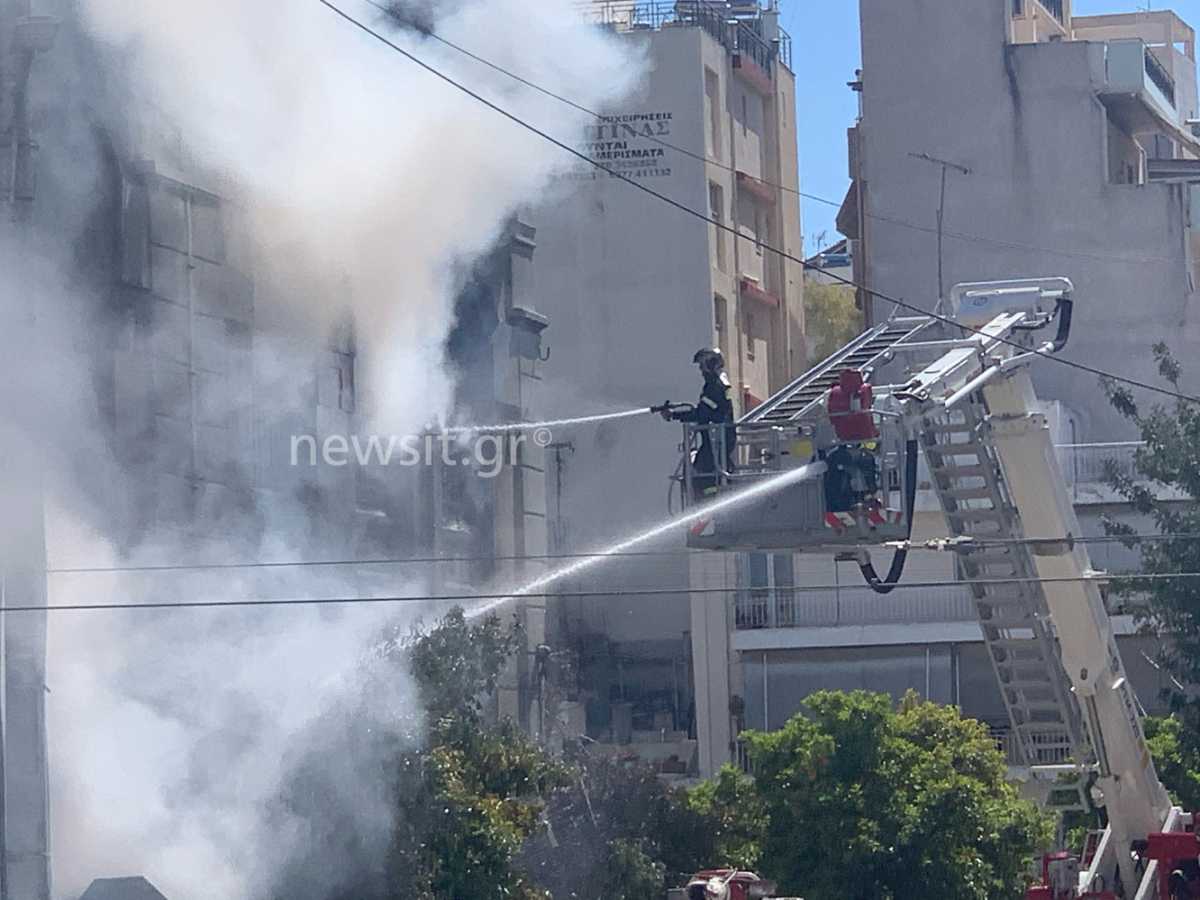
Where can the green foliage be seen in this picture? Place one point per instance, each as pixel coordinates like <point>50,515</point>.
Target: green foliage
<point>666,830</point>
<point>629,873</point>
<point>468,802</point>
<point>465,809</point>
<point>733,818</point>
<point>457,663</point>
<point>868,802</point>
<point>1165,488</point>
<point>1176,753</point>
<point>831,319</point>
<point>856,800</point>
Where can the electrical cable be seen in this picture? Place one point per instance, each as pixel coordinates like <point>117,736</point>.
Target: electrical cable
<point>330,563</point>
<point>932,545</point>
<point>683,207</point>
<point>900,556</point>
<point>708,160</point>
<point>632,592</point>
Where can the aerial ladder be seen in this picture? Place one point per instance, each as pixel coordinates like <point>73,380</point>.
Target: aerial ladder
<point>958,392</point>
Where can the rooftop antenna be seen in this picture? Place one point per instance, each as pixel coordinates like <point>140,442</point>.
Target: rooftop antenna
<point>941,215</point>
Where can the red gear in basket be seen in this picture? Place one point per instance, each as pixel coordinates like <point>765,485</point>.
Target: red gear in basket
<point>850,408</point>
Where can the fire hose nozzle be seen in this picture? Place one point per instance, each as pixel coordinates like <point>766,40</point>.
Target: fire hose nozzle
<point>666,409</point>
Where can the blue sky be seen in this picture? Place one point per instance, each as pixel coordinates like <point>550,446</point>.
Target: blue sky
<point>825,53</point>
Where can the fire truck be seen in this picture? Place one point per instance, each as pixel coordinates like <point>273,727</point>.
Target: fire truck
<point>726,884</point>
<point>956,391</point>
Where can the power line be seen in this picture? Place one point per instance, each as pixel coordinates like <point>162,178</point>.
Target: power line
<point>682,207</point>
<point>948,544</point>
<point>704,158</point>
<point>633,592</point>
<point>331,563</point>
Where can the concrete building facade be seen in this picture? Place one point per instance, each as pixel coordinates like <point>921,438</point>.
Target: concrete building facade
<point>634,288</point>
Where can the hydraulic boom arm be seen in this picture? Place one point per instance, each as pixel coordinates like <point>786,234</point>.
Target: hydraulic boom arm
<point>993,377</point>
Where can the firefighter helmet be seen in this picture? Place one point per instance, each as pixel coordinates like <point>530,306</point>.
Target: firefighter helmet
<point>709,360</point>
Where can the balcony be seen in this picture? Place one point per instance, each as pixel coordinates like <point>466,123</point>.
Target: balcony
<point>756,188</point>
<point>1137,89</point>
<point>752,290</point>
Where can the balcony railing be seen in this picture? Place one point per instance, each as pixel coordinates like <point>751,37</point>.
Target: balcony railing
<point>1091,463</point>
<point>737,26</point>
<point>1054,7</point>
<point>1159,75</point>
<point>781,607</point>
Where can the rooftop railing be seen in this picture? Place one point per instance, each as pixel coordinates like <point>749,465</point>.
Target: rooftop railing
<point>1159,75</point>
<point>1054,7</point>
<point>737,26</point>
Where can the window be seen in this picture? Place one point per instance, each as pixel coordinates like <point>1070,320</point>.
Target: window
<point>712,104</point>
<point>716,212</point>
<point>785,595</point>
<point>753,610</point>
<point>745,115</point>
<point>762,230</point>
<point>749,336</point>
<point>768,596</point>
<point>345,374</point>
<point>721,324</point>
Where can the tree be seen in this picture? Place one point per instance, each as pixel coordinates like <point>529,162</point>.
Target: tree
<point>456,664</point>
<point>1165,488</point>
<point>469,800</point>
<point>1176,754</point>
<point>831,319</point>
<point>732,815</point>
<point>869,802</point>
<point>622,827</point>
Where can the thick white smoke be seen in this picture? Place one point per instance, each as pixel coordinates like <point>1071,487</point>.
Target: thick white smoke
<point>364,176</point>
<point>363,181</point>
<point>173,732</point>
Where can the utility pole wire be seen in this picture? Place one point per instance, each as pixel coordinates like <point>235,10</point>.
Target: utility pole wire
<point>597,594</point>
<point>683,207</point>
<point>932,545</point>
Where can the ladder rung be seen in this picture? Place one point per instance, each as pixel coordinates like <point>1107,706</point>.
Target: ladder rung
<point>950,428</point>
<point>964,449</point>
<point>953,471</point>
<point>978,515</point>
<point>970,493</point>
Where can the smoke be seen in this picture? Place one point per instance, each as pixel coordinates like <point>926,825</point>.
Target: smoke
<point>365,178</point>
<point>175,733</point>
<point>355,183</point>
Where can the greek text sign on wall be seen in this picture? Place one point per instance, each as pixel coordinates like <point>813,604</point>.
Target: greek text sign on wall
<point>629,144</point>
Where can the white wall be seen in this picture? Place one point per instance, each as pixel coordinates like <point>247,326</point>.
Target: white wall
<point>625,281</point>
<point>1027,121</point>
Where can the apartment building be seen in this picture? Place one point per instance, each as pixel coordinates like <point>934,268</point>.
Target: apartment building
<point>634,287</point>
<point>1076,133</point>
<point>1068,150</point>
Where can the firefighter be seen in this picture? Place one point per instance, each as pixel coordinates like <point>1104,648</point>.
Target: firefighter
<point>853,468</point>
<point>714,408</point>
